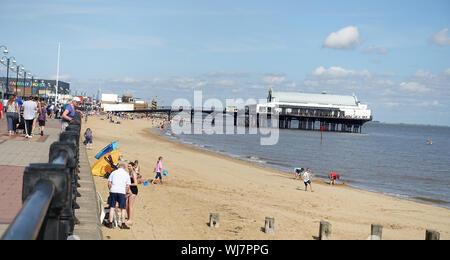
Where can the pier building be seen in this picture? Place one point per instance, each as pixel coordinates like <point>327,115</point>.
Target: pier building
<point>306,111</point>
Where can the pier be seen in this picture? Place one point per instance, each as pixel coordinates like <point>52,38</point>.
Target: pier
<point>293,110</point>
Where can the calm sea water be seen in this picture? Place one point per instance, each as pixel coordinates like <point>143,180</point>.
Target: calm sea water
<point>388,158</point>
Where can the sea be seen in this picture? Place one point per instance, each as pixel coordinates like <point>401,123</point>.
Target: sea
<point>392,159</point>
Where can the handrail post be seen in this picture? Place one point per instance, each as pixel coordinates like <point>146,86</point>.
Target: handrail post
<point>59,175</point>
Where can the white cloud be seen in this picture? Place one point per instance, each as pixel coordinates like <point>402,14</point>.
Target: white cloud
<point>225,82</point>
<point>440,38</point>
<point>423,74</point>
<point>345,38</point>
<point>311,83</point>
<point>414,87</point>
<point>375,50</point>
<point>130,80</point>
<point>62,77</point>
<point>339,72</point>
<point>434,103</point>
<point>273,80</point>
<point>447,72</point>
<point>218,74</point>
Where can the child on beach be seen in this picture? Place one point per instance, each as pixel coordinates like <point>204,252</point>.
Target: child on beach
<point>137,169</point>
<point>333,176</point>
<point>88,136</point>
<point>158,170</point>
<point>307,179</point>
<point>298,173</point>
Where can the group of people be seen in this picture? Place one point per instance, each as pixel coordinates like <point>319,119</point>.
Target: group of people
<point>123,189</point>
<point>25,115</point>
<point>305,175</point>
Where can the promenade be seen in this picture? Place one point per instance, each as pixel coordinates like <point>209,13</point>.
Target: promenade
<point>17,152</point>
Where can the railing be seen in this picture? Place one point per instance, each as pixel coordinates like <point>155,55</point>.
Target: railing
<point>50,191</point>
<point>322,115</point>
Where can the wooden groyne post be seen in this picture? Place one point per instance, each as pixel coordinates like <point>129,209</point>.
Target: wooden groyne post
<point>269,227</point>
<point>325,230</point>
<point>376,232</point>
<point>432,235</point>
<point>214,220</point>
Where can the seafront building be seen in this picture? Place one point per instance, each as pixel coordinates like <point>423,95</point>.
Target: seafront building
<point>326,112</point>
<point>42,88</point>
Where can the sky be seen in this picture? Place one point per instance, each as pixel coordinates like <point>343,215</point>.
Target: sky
<point>393,55</point>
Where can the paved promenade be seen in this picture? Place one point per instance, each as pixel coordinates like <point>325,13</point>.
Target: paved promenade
<point>18,152</point>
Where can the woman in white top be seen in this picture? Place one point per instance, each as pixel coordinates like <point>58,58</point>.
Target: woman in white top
<point>12,114</point>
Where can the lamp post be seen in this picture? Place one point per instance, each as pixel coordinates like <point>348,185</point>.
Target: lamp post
<point>18,68</point>
<point>43,84</point>
<point>8,61</point>
<point>5,51</point>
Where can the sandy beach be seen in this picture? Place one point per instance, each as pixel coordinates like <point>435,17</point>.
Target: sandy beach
<point>243,194</point>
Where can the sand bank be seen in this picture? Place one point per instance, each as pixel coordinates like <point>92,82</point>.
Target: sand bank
<point>200,183</point>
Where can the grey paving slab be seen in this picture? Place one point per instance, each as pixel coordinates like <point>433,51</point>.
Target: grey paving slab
<point>16,153</point>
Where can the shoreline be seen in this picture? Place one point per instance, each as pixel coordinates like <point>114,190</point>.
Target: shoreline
<point>418,199</point>
<point>201,182</point>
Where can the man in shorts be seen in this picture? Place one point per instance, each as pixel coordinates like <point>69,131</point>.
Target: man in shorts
<point>119,184</point>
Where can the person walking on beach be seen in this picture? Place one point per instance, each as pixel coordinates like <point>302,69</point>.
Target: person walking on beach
<point>29,114</point>
<point>133,192</point>
<point>12,114</point>
<point>119,185</point>
<point>307,179</point>
<point>88,135</point>
<point>158,170</point>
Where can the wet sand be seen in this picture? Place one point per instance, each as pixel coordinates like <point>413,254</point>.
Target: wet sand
<point>243,194</point>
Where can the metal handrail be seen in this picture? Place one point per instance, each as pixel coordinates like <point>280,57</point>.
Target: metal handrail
<point>47,212</point>
<point>28,222</point>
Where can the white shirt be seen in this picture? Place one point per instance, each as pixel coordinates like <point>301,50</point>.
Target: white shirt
<point>29,110</point>
<point>119,180</point>
<point>306,176</point>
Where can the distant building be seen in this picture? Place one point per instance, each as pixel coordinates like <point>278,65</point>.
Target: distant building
<point>126,103</point>
<point>324,104</point>
<point>315,111</point>
<point>40,88</point>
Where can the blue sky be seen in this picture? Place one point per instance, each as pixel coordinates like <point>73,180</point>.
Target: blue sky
<point>394,55</point>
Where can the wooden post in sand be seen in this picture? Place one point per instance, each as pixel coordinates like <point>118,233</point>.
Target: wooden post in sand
<point>214,220</point>
<point>376,232</point>
<point>325,231</point>
<point>432,235</point>
<point>269,226</point>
